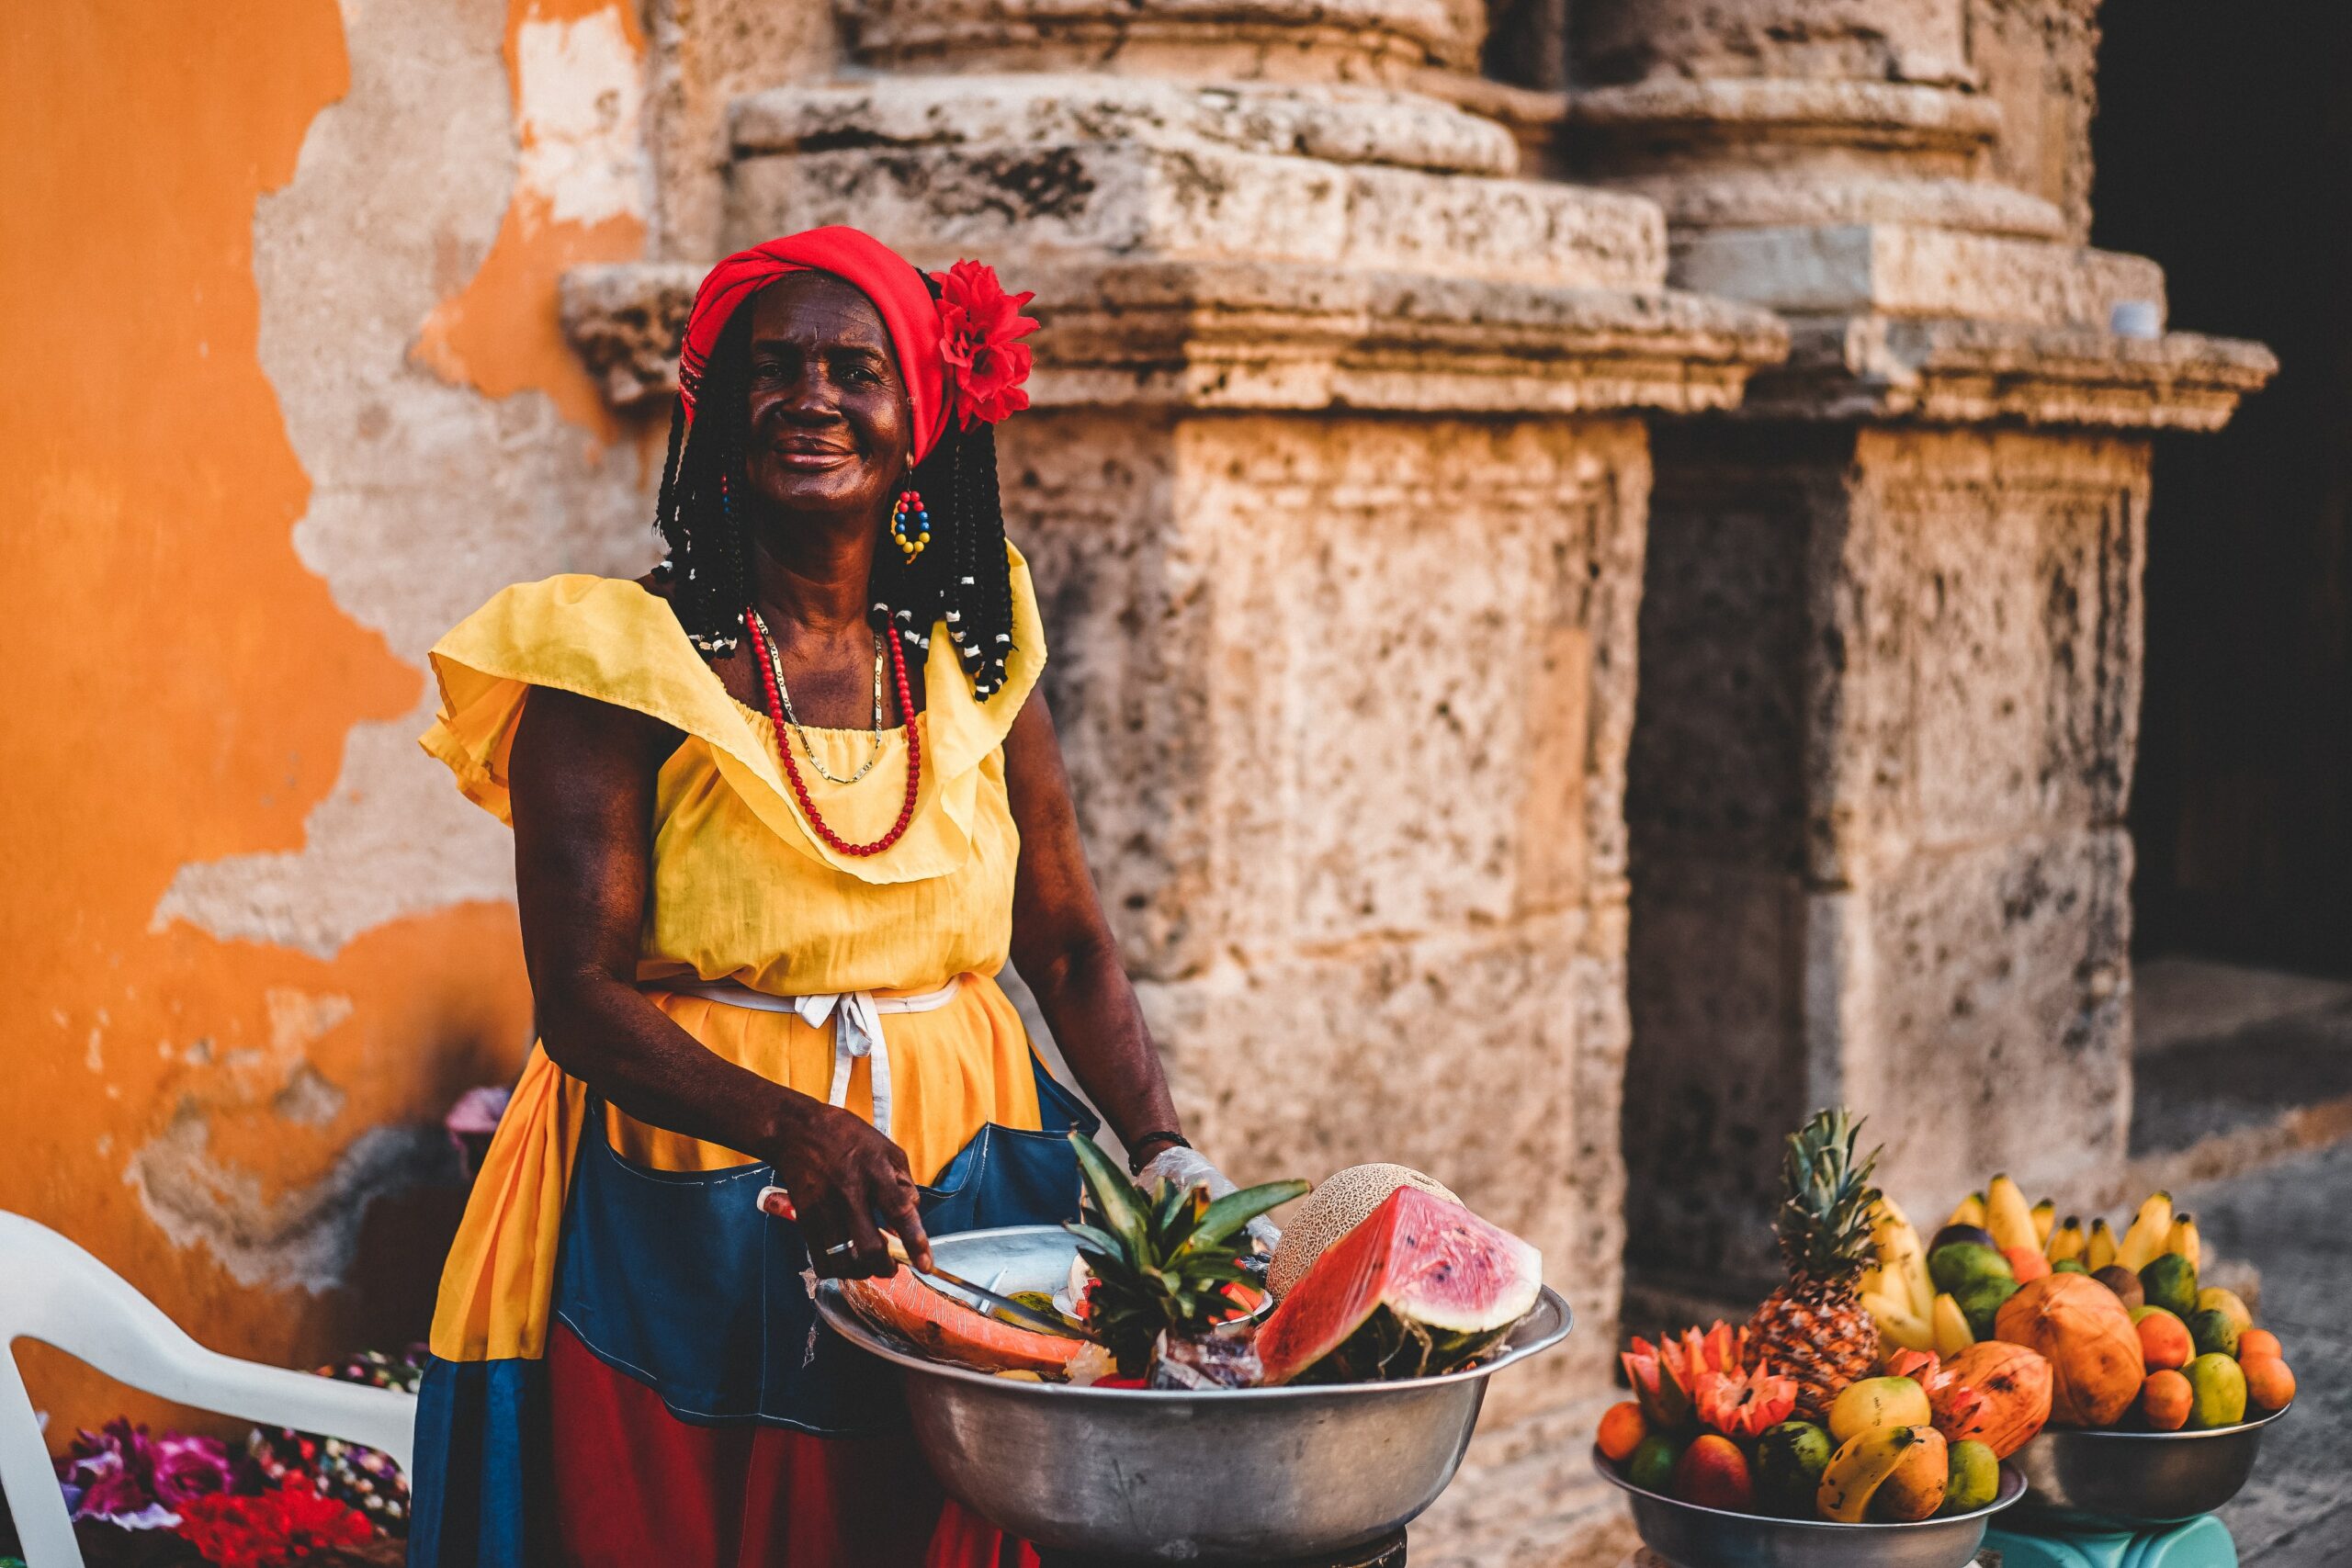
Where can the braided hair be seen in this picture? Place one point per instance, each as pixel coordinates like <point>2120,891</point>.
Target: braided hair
<point>964,579</point>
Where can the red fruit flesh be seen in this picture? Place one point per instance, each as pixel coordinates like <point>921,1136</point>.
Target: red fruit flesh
<point>1431,1262</point>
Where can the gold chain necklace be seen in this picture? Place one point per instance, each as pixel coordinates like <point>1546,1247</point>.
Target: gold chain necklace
<point>792,720</point>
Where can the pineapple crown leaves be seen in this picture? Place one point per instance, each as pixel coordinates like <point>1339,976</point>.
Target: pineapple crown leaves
<point>1825,1197</point>
<point>1164,1262</point>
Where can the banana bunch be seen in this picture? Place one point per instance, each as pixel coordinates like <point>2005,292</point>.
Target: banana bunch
<point>2156,1230</point>
<point>1897,1291</point>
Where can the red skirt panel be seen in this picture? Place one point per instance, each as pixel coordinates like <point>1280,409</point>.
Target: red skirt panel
<point>632,1485</point>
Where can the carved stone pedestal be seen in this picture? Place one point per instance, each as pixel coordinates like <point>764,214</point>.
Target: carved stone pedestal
<point>1891,636</point>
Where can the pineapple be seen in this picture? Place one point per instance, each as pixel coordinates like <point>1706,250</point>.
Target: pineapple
<point>1161,1263</point>
<point>1814,1328</point>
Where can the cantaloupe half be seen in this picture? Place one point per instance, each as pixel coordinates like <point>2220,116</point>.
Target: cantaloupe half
<point>1344,1200</point>
<point>1424,1286</point>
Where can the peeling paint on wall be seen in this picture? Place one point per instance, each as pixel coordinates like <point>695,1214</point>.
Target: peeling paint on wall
<point>260,942</point>
<point>429,496</point>
<point>580,194</point>
<point>302,1240</point>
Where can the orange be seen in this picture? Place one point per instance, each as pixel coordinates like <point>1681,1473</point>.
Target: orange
<point>2268,1383</point>
<point>2165,1341</point>
<point>1622,1431</point>
<point>2256,1343</point>
<point>2164,1400</point>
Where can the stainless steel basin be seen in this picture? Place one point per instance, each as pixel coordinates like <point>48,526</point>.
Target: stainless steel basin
<point>2134,1481</point>
<point>1234,1477</point>
<point>1692,1537</point>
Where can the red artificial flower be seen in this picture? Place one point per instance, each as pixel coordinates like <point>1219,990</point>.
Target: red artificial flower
<point>275,1530</point>
<point>978,325</point>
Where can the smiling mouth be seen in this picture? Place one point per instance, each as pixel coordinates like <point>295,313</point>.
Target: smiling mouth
<point>811,457</point>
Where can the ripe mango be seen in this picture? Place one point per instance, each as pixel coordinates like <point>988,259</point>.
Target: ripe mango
<point>1712,1473</point>
<point>2212,1298</point>
<point>2216,1392</point>
<point>1878,1402</point>
<point>1917,1488</point>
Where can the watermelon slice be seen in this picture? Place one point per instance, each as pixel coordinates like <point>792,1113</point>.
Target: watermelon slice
<point>1423,1286</point>
<point>947,1330</point>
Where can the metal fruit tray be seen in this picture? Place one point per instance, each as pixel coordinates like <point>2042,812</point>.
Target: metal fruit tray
<point>1692,1537</point>
<point>2081,1479</point>
<point>1237,1475</point>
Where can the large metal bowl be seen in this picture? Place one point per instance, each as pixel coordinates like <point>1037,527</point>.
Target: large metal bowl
<point>1235,1476</point>
<point>2134,1481</point>
<point>1692,1537</point>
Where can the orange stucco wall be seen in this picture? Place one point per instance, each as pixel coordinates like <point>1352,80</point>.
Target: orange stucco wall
<point>185,685</point>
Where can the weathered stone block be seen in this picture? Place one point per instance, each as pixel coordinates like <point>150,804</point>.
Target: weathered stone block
<point>1899,269</point>
<point>1997,986</point>
<point>1409,652</point>
<point>1063,167</point>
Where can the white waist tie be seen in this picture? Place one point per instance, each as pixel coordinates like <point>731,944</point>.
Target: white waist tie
<point>857,1026</point>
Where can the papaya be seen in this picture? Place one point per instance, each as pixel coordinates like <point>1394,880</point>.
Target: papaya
<point>2016,1384</point>
<point>2080,1327</point>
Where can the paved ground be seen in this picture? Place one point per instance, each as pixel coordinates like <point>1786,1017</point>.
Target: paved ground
<point>2294,1221</point>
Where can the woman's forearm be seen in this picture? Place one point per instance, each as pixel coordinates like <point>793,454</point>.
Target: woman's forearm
<point>604,1032</point>
<point>1089,1005</point>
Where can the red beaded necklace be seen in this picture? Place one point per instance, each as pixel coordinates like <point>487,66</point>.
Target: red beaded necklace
<point>761,657</point>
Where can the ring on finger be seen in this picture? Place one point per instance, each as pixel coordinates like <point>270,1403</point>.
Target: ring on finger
<point>835,1251</point>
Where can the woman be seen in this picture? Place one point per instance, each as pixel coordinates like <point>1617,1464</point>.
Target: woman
<point>781,810</point>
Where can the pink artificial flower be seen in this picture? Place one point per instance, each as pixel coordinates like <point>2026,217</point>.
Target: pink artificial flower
<point>187,1467</point>
<point>980,324</point>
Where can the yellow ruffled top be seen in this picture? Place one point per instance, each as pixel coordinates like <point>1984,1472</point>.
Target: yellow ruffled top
<point>742,890</point>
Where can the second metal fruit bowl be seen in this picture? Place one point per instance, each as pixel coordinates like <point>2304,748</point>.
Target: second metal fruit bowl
<point>1692,1537</point>
<point>2134,1481</point>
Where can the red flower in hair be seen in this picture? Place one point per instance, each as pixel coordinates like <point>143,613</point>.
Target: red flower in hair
<point>980,324</point>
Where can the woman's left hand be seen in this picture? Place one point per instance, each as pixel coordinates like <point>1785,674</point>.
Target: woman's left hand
<point>1181,1168</point>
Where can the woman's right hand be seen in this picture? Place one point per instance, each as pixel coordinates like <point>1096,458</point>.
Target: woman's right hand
<point>847,1182</point>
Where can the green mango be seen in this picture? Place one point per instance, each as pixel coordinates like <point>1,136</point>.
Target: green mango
<point>1964,1263</point>
<point>1790,1458</point>
<point>1975,1477</point>
<point>2214,1332</point>
<point>2170,1281</point>
<point>1981,1302</point>
<point>2216,1390</point>
<point>2071,1266</point>
<point>1651,1466</point>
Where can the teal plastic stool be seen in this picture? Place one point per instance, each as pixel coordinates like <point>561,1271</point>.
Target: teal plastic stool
<point>2200,1543</point>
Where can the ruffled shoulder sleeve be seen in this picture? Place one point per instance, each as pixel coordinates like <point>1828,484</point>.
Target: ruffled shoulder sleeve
<point>608,639</point>
<point>964,730</point>
<point>601,636</point>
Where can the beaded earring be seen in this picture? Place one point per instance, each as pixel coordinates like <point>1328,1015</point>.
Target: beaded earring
<point>909,525</point>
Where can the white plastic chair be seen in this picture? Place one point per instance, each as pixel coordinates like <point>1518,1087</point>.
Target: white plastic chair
<point>53,1292</point>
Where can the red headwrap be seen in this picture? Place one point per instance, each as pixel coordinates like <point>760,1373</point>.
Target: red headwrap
<point>956,354</point>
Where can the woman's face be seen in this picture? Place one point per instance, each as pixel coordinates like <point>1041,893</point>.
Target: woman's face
<point>829,425</point>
